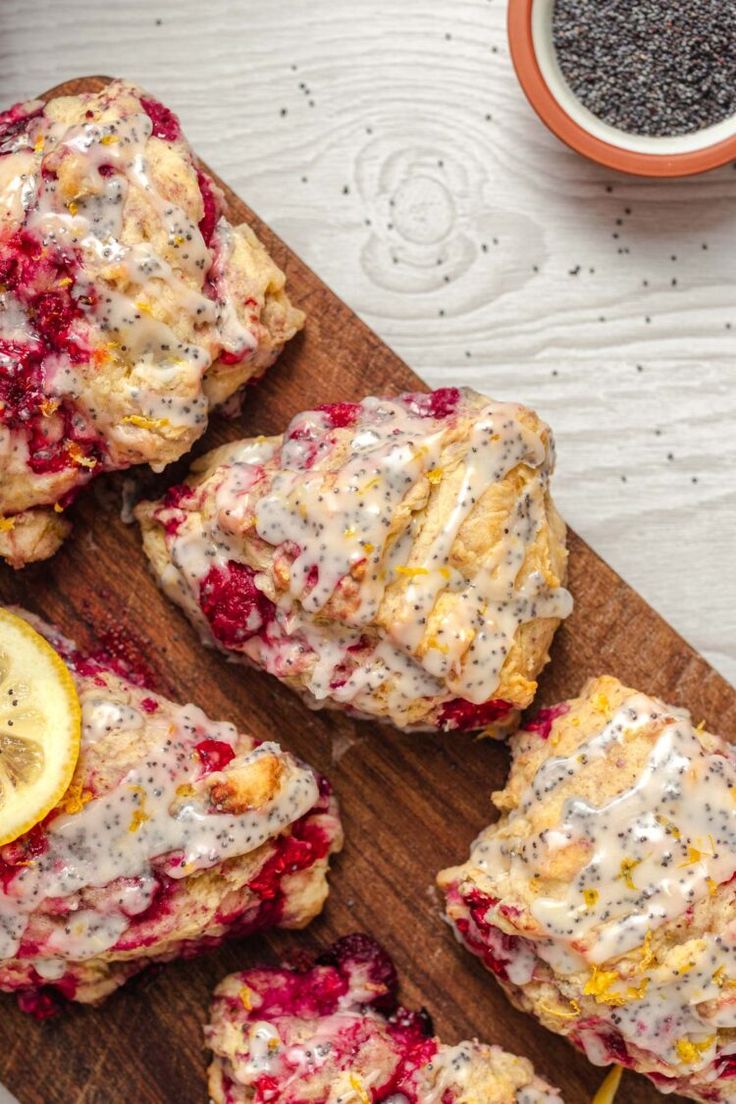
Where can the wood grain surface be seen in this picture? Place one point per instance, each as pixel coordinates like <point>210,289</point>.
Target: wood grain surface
<point>411,805</point>
<point>390,146</point>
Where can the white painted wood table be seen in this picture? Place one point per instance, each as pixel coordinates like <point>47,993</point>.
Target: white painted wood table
<point>390,145</point>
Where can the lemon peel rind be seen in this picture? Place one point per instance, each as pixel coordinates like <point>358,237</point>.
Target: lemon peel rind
<point>69,690</point>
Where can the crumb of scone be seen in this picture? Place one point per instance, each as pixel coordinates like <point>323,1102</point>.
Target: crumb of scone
<point>604,900</point>
<point>129,304</point>
<point>400,559</point>
<point>333,1032</point>
<point>141,862</point>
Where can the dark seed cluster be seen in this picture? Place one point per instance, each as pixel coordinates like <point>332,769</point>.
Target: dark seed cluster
<point>652,67</point>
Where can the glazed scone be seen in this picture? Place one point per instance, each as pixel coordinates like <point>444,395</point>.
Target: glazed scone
<point>400,559</point>
<point>176,832</point>
<point>129,305</point>
<point>336,1034</point>
<point>603,899</point>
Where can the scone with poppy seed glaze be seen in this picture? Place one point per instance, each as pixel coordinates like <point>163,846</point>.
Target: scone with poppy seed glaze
<point>399,559</point>
<point>603,899</point>
<point>334,1033</point>
<point>129,305</point>
<point>176,832</point>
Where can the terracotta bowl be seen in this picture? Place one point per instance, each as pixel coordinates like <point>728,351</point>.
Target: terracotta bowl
<point>535,61</point>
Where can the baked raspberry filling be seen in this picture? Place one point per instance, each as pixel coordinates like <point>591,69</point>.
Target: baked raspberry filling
<point>115,323</point>
<point>208,222</point>
<point>464,716</point>
<point>165,123</point>
<point>13,122</point>
<point>306,845</point>
<point>233,605</point>
<point>112,887</point>
<point>542,722</point>
<point>214,755</point>
<point>340,415</point>
<point>42,281</point>
<point>347,1000</point>
<point>441,403</point>
<point>341,530</point>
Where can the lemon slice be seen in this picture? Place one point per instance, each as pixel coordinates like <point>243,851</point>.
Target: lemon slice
<point>40,727</point>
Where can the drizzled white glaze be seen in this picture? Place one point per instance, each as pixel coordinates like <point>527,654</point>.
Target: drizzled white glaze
<point>92,227</point>
<point>351,525</point>
<point>654,848</point>
<point>295,1053</point>
<point>121,321</point>
<point>156,817</point>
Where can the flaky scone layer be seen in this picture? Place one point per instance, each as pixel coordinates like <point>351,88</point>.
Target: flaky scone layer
<point>397,558</point>
<point>603,899</point>
<point>129,305</point>
<point>175,832</point>
<point>335,1034</point>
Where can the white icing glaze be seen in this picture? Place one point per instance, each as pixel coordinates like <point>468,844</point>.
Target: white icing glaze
<point>338,517</point>
<point>154,816</point>
<point>263,1047</point>
<point>537,1094</point>
<point>92,187</point>
<point>654,849</point>
<point>93,227</point>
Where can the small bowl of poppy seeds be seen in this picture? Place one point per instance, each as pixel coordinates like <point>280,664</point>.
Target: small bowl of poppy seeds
<point>643,86</point>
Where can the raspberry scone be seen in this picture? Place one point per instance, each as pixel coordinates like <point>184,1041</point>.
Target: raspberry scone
<point>399,559</point>
<point>336,1034</point>
<point>176,831</point>
<point>604,898</point>
<point>129,305</point>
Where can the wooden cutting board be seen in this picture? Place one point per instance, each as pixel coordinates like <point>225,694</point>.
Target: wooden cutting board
<point>411,804</point>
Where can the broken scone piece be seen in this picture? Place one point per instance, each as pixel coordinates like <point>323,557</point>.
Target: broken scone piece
<point>334,1033</point>
<point>604,898</point>
<point>399,559</point>
<point>176,832</point>
<point>129,305</point>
